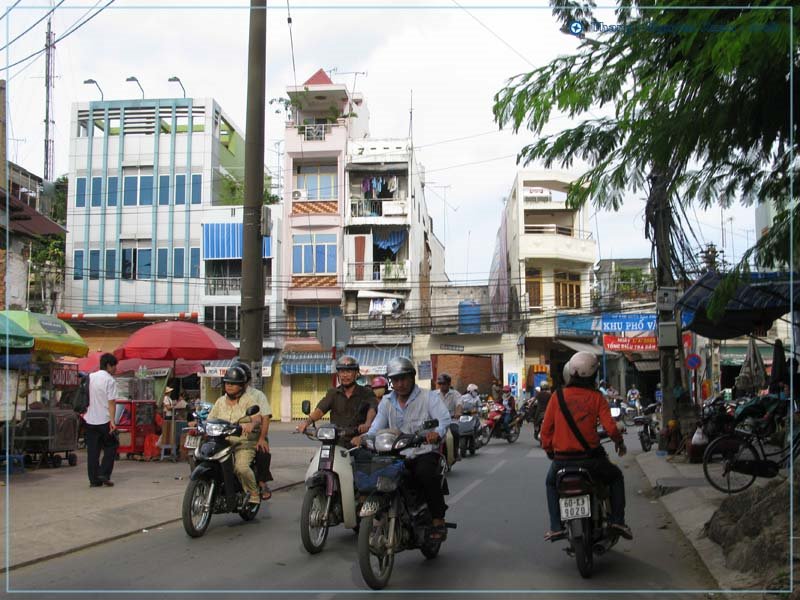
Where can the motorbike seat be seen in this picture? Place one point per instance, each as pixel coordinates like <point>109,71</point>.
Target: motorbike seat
<point>643,420</point>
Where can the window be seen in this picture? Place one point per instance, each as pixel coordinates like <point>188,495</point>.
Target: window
<point>146,190</point>
<point>77,265</point>
<point>314,254</point>
<point>307,318</point>
<point>97,191</point>
<point>163,259</point>
<point>144,261</point>
<point>320,182</point>
<point>533,285</point>
<point>80,192</point>
<point>111,191</point>
<point>194,262</point>
<point>177,263</point>
<point>568,290</point>
<point>128,262</point>
<point>111,264</point>
<point>94,264</point>
<point>180,189</point>
<point>130,190</point>
<point>197,181</point>
<point>163,190</point>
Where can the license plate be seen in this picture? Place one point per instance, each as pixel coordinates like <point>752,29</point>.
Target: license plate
<point>192,441</point>
<point>576,507</point>
<point>325,452</point>
<point>465,419</point>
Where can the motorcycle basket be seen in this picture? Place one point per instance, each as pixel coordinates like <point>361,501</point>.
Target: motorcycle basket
<point>378,473</point>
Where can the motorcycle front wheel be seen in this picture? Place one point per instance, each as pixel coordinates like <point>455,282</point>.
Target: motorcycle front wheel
<point>513,435</point>
<point>485,435</point>
<point>627,418</point>
<point>194,513</point>
<point>645,440</point>
<point>374,559</point>
<point>312,532</point>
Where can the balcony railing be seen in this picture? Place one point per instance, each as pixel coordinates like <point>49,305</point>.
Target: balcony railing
<point>315,133</point>
<point>386,207</point>
<point>223,286</point>
<point>377,271</point>
<point>552,229</point>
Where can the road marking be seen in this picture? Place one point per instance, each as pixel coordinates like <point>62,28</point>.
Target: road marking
<point>536,453</point>
<point>494,450</point>
<point>464,492</point>
<point>497,466</point>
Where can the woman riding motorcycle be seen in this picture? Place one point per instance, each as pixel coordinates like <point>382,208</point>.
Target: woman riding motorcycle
<point>232,407</point>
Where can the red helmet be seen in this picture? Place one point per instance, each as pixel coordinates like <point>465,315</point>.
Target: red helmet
<point>378,382</point>
<point>506,388</point>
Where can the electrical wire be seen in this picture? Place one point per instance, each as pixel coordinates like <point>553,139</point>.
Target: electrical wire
<point>47,14</point>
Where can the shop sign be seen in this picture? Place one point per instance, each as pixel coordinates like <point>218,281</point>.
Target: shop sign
<point>64,375</point>
<point>453,347</point>
<point>622,322</point>
<point>617,343</point>
<point>578,325</point>
<point>424,369</point>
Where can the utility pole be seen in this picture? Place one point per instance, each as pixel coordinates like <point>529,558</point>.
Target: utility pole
<point>49,123</point>
<point>252,316</point>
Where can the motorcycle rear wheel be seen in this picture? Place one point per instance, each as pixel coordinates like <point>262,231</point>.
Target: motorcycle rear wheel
<point>194,514</point>
<point>484,435</point>
<point>313,537</point>
<point>463,445</point>
<point>377,576</point>
<point>583,550</point>
<point>472,446</point>
<point>645,440</point>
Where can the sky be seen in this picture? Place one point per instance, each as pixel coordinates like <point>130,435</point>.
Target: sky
<point>450,57</point>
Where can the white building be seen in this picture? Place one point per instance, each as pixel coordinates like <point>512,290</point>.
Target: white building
<point>154,226</point>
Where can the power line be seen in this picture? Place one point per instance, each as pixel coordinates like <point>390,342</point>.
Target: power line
<point>8,10</point>
<point>47,14</point>
<point>504,42</point>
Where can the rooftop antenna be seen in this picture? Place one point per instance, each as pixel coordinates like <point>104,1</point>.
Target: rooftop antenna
<point>49,122</point>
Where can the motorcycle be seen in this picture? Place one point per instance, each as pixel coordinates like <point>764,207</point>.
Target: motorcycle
<point>649,427</point>
<point>623,412</point>
<point>213,486</point>
<point>330,497</point>
<point>585,509</point>
<point>494,423</point>
<point>469,428</point>
<point>394,516</point>
<point>194,434</point>
<point>717,417</point>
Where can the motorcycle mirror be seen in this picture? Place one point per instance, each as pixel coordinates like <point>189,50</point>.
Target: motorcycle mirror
<point>306,407</point>
<point>252,410</point>
<point>430,424</point>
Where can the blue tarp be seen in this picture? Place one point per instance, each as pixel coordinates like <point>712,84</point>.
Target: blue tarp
<point>392,241</point>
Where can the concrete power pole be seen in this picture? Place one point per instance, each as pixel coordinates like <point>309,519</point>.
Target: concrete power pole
<point>252,316</point>
<point>49,124</point>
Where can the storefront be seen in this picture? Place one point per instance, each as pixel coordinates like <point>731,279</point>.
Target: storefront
<point>211,381</point>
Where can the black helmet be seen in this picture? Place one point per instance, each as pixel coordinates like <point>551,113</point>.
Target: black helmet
<point>236,374</point>
<point>244,367</point>
<point>347,363</point>
<point>400,365</point>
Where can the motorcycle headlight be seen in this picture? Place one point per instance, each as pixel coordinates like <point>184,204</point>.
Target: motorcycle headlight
<point>384,441</point>
<point>370,443</point>
<point>214,429</point>
<point>401,443</point>
<point>326,433</point>
<point>615,412</point>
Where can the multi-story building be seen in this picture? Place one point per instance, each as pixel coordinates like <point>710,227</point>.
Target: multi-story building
<point>154,216</point>
<point>358,238</point>
<point>542,268</point>
<point>622,283</point>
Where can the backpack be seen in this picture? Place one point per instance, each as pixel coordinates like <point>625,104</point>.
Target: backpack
<point>80,403</point>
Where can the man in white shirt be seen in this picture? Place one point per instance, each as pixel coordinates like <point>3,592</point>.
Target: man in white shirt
<point>100,423</point>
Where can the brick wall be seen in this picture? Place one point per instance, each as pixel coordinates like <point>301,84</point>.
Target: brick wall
<point>465,369</point>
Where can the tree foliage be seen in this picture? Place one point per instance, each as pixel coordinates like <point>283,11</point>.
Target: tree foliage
<point>700,111</point>
<point>230,191</point>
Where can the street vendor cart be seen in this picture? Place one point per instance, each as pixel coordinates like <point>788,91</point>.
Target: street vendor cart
<point>135,420</point>
<point>42,435</point>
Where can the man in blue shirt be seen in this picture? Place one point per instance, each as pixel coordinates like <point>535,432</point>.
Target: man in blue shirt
<point>406,408</point>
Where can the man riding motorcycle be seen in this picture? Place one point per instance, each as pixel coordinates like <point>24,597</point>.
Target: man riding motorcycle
<point>406,408</point>
<point>542,399</point>
<point>232,407</point>
<point>379,386</point>
<point>586,406</point>
<point>471,400</point>
<point>634,398</point>
<point>352,406</point>
<point>509,403</point>
<point>452,400</point>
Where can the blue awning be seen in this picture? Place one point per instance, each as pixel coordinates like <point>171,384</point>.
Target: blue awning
<point>371,359</point>
<point>223,241</point>
<point>217,368</point>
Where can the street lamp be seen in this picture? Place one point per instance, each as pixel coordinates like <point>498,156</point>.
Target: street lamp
<point>92,81</point>
<point>132,78</point>
<point>176,79</point>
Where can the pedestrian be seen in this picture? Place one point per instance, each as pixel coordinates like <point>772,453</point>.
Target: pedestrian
<point>100,428</point>
<point>166,409</point>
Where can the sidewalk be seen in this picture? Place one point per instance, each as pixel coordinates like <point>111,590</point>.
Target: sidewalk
<point>54,511</point>
<point>691,501</point>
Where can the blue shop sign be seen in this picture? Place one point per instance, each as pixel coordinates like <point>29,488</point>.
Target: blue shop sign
<point>621,322</point>
<point>578,325</point>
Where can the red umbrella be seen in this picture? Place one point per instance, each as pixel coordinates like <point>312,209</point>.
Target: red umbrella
<point>176,339</point>
<point>182,367</point>
<point>91,362</point>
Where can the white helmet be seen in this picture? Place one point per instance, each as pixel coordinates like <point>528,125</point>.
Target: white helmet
<point>566,374</point>
<point>472,388</point>
<point>582,364</point>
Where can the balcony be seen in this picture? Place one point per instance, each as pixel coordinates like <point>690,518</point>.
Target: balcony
<point>230,286</point>
<point>368,274</point>
<point>320,136</point>
<point>378,212</point>
<point>557,242</point>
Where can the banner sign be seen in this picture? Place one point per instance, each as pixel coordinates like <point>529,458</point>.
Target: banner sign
<point>616,343</point>
<point>64,374</point>
<point>453,347</point>
<point>578,325</point>
<point>622,322</point>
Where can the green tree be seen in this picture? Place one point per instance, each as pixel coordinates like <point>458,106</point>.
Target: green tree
<point>230,191</point>
<point>700,102</point>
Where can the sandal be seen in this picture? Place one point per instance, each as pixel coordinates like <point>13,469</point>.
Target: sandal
<point>623,530</point>
<point>437,533</point>
<point>553,536</point>
<point>266,493</point>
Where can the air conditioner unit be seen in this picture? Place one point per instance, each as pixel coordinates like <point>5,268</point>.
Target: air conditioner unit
<point>299,194</point>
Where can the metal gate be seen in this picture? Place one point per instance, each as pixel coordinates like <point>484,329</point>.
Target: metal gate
<point>308,387</point>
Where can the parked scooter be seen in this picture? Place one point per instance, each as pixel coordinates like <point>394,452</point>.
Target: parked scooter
<point>213,486</point>
<point>330,497</point>
<point>394,517</point>
<point>585,509</point>
<point>648,434</point>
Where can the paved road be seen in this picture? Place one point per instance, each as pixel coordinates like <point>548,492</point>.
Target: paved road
<point>497,498</point>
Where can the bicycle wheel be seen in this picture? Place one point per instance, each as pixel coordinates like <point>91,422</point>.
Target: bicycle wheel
<point>721,459</point>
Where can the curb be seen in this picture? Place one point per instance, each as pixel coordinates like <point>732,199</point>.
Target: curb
<point>114,538</point>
